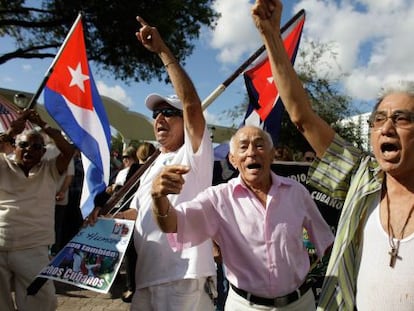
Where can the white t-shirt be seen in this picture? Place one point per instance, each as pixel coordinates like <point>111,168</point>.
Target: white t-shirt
<point>379,286</point>
<point>157,263</point>
<point>52,152</point>
<point>121,176</point>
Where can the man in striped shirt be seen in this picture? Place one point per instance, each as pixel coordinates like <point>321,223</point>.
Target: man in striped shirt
<point>371,266</point>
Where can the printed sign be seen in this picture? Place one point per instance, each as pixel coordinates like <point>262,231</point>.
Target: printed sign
<point>91,260</point>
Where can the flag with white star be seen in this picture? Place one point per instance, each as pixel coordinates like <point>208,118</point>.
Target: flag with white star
<point>265,108</point>
<point>73,101</point>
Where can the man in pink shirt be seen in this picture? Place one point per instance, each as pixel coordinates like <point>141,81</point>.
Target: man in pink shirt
<point>257,219</point>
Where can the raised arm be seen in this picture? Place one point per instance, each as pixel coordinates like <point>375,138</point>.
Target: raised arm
<point>193,114</point>
<point>267,15</point>
<point>66,149</point>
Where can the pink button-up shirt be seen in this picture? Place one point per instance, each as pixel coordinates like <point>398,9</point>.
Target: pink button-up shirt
<point>262,248</point>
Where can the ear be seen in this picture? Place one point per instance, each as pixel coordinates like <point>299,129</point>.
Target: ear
<point>232,160</point>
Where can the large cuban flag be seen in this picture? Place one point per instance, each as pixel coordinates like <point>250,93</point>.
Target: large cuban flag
<point>265,108</point>
<point>72,100</point>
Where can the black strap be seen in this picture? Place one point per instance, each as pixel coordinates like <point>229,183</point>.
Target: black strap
<point>131,182</point>
<point>278,302</point>
<point>35,286</point>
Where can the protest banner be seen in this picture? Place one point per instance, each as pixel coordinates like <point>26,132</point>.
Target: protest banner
<point>91,260</point>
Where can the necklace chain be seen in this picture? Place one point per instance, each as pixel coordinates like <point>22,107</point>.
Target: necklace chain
<point>395,245</point>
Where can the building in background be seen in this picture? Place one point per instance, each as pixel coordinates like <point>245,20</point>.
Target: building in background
<point>362,127</point>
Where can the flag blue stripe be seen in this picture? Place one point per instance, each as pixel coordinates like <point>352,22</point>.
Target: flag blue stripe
<point>273,122</point>
<point>60,112</point>
<point>100,109</point>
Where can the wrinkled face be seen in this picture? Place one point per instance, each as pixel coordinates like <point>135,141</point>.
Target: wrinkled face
<point>252,156</point>
<point>29,150</point>
<point>168,128</point>
<point>392,140</point>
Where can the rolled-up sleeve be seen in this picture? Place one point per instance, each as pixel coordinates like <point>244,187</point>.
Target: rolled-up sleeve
<point>332,173</point>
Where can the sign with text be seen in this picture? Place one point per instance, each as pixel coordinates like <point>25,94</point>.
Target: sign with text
<point>91,260</point>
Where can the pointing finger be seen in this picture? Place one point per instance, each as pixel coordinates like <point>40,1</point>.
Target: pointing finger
<point>142,21</point>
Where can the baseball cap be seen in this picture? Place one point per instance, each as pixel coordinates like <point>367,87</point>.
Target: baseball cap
<point>154,99</point>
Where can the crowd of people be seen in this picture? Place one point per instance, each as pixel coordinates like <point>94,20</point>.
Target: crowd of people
<point>228,235</point>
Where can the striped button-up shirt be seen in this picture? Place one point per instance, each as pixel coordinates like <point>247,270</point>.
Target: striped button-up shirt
<point>347,173</point>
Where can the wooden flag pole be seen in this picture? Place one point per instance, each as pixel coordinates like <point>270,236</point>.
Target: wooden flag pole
<point>220,89</point>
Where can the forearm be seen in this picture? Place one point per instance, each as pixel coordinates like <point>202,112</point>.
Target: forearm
<point>295,99</point>
<point>180,80</point>
<point>130,214</point>
<point>62,144</point>
<point>164,214</point>
<point>186,91</point>
<point>66,149</point>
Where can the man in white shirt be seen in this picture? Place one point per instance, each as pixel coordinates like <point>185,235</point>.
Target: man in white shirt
<point>168,280</point>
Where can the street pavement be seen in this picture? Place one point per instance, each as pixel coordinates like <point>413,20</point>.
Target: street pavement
<point>72,298</point>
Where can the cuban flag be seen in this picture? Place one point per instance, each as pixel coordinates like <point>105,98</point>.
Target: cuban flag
<point>72,100</point>
<point>265,107</point>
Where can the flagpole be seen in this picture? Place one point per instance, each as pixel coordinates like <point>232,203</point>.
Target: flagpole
<point>222,87</point>
<point>34,98</point>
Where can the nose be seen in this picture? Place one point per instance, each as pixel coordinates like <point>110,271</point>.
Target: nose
<point>251,150</point>
<point>388,127</point>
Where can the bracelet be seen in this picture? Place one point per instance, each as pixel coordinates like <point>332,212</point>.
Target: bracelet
<point>162,216</point>
<point>170,63</point>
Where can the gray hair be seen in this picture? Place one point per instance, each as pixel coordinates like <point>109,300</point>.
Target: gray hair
<point>400,86</point>
<point>31,132</point>
<point>232,143</point>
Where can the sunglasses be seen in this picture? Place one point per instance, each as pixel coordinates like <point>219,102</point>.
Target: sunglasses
<point>167,112</point>
<point>26,145</point>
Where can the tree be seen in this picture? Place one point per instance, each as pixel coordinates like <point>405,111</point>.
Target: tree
<point>326,97</point>
<point>110,28</point>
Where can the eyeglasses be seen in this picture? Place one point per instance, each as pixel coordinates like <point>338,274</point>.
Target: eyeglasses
<point>26,145</point>
<point>167,112</point>
<point>399,118</point>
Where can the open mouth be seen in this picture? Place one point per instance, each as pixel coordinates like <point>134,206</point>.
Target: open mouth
<point>161,129</point>
<point>27,156</point>
<point>388,147</point>
<point>254,166</point>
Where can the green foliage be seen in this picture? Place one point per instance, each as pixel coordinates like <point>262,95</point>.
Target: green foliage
<point>109,27</point>
<point>116,143</point>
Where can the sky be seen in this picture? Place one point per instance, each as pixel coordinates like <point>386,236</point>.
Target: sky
<point>371,40</point>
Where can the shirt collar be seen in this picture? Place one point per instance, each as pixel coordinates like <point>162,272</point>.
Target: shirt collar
<point>277,181</point>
